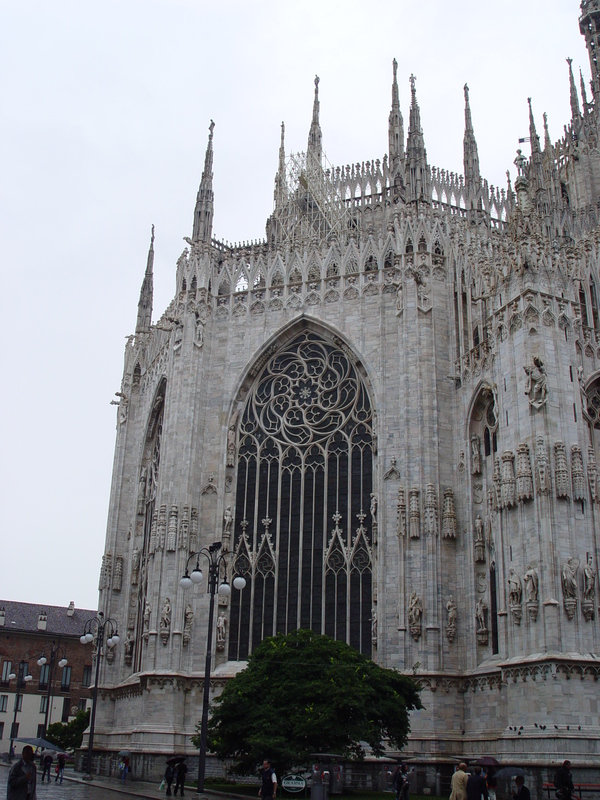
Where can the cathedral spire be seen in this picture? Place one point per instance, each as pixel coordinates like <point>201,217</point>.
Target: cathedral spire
<point>471,154</point>
<point>417,170</point>
<point>144,316</point>
<point>203,213</point>
<point>547,139</point>
<point>575,110</point>
<point>315,144</point>
<point>396,127</point>
<point>280,180</point>
<point>536,168</point>
<point>589,26</point>
<point>583,92</point>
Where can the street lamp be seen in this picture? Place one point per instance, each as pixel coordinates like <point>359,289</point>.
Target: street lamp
<point>22,679</point>
<point>215,559</point>
<point>95,628</point>
<point>42,660</point>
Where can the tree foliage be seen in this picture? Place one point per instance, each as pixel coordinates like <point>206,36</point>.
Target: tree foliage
<point>305,693</point>
<point>69,735</point>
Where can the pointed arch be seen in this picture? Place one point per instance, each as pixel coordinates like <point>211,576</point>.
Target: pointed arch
<point>304,479</point>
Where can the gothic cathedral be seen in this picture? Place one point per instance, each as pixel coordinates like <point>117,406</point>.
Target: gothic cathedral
<point>386,412</point>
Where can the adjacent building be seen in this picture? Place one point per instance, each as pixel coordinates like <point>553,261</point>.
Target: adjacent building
<point>387,412</point>
<point>34,695</point>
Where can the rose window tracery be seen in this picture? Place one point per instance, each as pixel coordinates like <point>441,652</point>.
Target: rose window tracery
<point>303,531</point>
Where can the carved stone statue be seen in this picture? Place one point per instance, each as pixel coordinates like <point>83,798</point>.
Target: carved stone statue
<point>515,595</point>
<point>221,631</point>
<point>537,383</point>
<point>141,505</point>
<point>452,611</point>
<point>227,521</point>
<point>481,610</point>
<point>118,574</point>
<point>374,626</point>
<point>147,612</point>
<point>569,586</point>
<point>135,566</point>
<point>374,507</point>
<point>543,467</point>
<point>231,437</point>
<point>128,649</point>
<point>530,579</point>
<point>415,612</point>
<point>475,454</point>
<point>479,540</point>
<point>187,625</point>
<point>165,620</point>
<point>589,589</point>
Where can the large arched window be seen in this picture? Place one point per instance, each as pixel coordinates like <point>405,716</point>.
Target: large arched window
<point>302,522</point>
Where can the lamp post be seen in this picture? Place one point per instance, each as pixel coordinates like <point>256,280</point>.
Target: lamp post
<point>21,680</point>
<point>42,660</point>
<point>215,558</point>
<point>94,629</point>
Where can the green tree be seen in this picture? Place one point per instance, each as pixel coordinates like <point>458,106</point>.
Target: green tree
<point>69,735</point>
<point>305,693</point>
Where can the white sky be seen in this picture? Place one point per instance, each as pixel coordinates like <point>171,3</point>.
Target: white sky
<point>104,110</point>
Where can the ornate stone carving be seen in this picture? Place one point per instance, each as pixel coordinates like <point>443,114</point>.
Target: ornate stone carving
<point>589,589</point>
<point>449,516</point>
<point>577,473</point>
<point>211,487</point>
<point>479,540</point>
<point>543,467</point>
<point>141,503</point>
<point>172,536</point>
<point>194,531</point>
<point>187,625</point>
<point>227,523</point>
<point>184,529</point>
<point>165,621</point>
<point>524,474</point>
<point>118,575</point>
<point>481,611</point>
<point>537,383</point>
<point>414,513</point>
<point>221,632</point>
<point>132,613</point>
<point>153,534</point>
<point>199,331</point>
<point>431,511</point>
<point>401,512</point>
<point>508,479</point>
<point>462,463</point>
<point>515,594</point>
<point>105,572</point>
<point>569,586</point>
<point>531,592</point>
<point>561,470</point>
<point>592,472</point>
<point>392,471</point>
<point>497,479</point>
<point>415,614</point>
<point>162,527</point>
<point>475,454</point>
<point>452,611</point>
<point>135,566</point>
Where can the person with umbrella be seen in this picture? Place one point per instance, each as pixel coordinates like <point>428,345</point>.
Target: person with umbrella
<point>476,785</point>
<point>47,761</point>
<point>180,773</point>
<point>170,771</point>
<point>60,767</point>
<point>522,792</point>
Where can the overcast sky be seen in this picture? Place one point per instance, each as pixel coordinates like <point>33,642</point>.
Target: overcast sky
<point>104,114</point>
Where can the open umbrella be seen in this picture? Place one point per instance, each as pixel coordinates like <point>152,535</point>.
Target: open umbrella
<point>176,759</point>
<point>124,754</point>
<point>487,761</point>
<point>509,772</point>
<point>39,742</point>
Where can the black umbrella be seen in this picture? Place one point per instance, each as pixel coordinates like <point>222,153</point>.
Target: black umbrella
<point>487,761</point>
<point>509,772</point>
<point>124,753</point>
<point>176,759</point>
<point>39,742</point>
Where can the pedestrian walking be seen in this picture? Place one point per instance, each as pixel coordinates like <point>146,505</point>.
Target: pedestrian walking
<point>521,792</point>
<point>60,767</point>
<point>22,776</point>
<point>168,778</point>
<point>47,761</point>
<point>180,773</point>
<point>124,767</point>
<point>476,785</point>
<point>268,788</point>
<point>459,783</point>
<point>563,781</point>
